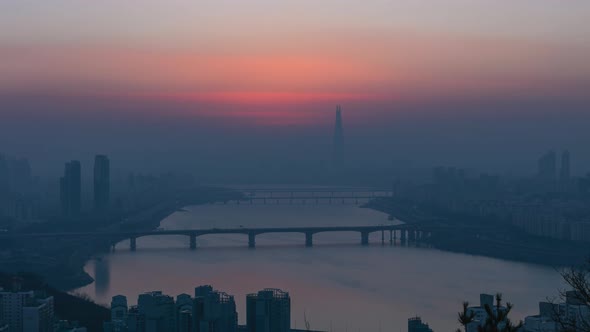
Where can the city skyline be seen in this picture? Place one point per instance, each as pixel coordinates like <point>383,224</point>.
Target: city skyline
<point>384,161</point>
<point>412,77</point>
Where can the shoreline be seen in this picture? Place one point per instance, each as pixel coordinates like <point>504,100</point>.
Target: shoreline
<point>61,263</point>
<point>519,247</point>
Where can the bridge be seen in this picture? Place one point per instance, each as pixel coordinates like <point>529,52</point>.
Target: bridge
<point>406,232</point>
<point>312,195</point>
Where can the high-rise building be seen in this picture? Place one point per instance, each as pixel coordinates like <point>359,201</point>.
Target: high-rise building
<point>71,189</point>
<point>214,311</point>
<point>415,324</point>
<point>38,315</point>
<point>184,313</point>
<point>564,172</point>
<point>26,311</point>
<point>268,311</point>
<point>548,167</point>
<point>338,144</point>
<point>101,183</point>
<point>119,308</point>
<point>158,311</point>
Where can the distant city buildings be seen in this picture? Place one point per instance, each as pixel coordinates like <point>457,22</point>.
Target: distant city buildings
<point>547,167</point>
<point>565,171</point>
<point>415,324</point>
<point>17,200</point>
<point>71,189</point>
<point>208,311</point>
<point>70,186</point>
<point>101,183</point>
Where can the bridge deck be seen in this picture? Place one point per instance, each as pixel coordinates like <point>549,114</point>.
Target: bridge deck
<point>198,232</point>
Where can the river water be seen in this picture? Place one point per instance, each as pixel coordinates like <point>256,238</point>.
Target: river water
<point>338,284</point>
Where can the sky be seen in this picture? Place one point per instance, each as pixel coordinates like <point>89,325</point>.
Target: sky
<point>490,80</point>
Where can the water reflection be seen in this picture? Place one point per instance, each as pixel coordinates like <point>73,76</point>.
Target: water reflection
<point>101,277</point>
<point>338,282</point>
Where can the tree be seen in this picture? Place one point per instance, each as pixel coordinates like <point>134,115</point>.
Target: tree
<point>575,319</point>
<point>497,318</point>
<point>465,317</point>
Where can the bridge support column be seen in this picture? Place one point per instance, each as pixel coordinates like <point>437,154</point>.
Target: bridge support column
<point>193,241</point>
<point>391,236</point>
<point>309,239</point>
<point>251,240</point>
<point>382,237</point>
<point>402,236</point>
<point>132,244</point>
<point>364,238</point>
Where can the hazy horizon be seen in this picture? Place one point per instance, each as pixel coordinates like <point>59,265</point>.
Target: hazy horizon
<point>205,86</point>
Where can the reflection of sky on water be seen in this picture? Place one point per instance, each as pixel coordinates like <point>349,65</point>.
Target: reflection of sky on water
<point>336,282</point>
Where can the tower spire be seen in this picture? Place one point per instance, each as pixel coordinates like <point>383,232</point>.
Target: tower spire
<point>338,153</point>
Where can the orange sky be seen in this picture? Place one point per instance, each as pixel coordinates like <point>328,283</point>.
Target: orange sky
<point>267,53</point>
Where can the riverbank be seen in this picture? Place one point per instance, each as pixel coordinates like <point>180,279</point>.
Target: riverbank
<point>61,262</point>
<point>486,237</point>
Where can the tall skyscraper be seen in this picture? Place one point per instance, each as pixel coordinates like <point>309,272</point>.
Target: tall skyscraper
<point>71,189</point>
<point>564,172</point>
<point>548,167</point>
<point>102,185</point>
<point>268,311</point>
<point>338,144</point>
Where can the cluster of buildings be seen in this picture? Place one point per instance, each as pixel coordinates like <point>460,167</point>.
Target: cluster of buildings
<point>552,204</point>
<point>574,314</point>
<point>30,311</point>
<point>208,310</point>
<point>70,185</point>
<point>17,200</point>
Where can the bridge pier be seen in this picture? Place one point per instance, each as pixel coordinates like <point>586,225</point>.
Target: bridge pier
<point>391,236</point>
<point>193,241</point>
<point>251,240</point>
<point>132,244</point>
<point>364,238</point>
<point>402,236</point>
<point>382,237</point>
<point>309,239</point>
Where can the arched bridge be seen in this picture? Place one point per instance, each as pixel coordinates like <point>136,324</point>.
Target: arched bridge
<point>406,232</point>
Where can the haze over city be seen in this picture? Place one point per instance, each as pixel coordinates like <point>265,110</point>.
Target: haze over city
<point>420,83</point>
<point>274,166</point>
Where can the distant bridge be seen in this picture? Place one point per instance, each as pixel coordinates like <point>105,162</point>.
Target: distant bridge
<point>312,195</point>
<point>406,232</point>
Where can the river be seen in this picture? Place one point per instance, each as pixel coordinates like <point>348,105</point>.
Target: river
<point>338,284</point>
